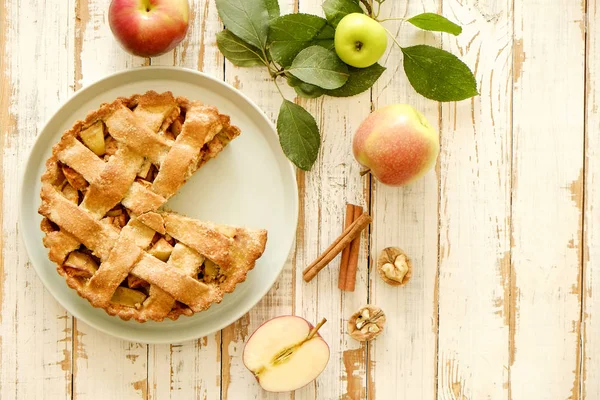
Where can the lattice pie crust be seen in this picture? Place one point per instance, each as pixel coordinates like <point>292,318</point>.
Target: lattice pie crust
<point>102,194</point>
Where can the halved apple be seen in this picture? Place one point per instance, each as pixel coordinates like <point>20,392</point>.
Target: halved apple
<point>93,138</point>
<point>286,353</point>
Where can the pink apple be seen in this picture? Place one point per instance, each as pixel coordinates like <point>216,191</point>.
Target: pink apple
<point>148,28</point>
<point>396,144</point>
<point>286,353</point>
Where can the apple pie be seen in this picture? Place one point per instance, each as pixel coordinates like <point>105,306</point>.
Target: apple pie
<point>102,196</point>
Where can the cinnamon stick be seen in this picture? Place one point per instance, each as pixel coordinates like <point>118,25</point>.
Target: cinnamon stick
<point>337,246</point>
<point>346,252</point>
<point>350,278</point>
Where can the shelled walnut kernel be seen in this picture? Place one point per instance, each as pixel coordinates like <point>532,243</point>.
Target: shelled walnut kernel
<point>367,323</point>
<point>394,266</point>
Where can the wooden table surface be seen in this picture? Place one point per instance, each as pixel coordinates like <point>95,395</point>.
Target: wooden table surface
<point>504,233</point>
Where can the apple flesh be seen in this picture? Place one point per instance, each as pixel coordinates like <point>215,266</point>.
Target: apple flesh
<point>93,138</point>
<point>286,353</point>
<point>148,28</point>
<point>359,40</point>
<point>396,144</point>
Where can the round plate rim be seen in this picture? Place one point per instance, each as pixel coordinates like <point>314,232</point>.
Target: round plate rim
<point>21,209</point>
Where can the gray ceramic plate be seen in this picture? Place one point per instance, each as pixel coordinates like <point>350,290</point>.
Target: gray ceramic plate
<point>250,183</point>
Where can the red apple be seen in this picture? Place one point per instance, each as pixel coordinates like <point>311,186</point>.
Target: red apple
<point>396,144</point>
<point>286,353</point>
<point>148,28</point>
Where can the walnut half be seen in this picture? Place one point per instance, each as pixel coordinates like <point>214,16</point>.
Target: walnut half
<point>367,323</point>
<point>394,266</point>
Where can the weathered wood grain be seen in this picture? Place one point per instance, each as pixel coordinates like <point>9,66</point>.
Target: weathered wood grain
<point>475,175</point>
<point>97,357</point>
<point>190,370</point>
<point>590,375</point>
<point>7,121</point>
<point>547,202</point>
<point>403,359</point>
<point>334,181</point>
<point>35,331</point>
<point>237,381</point>
<point>514,195</point>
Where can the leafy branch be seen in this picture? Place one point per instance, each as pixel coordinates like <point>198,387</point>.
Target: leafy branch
<point>300,49</point>
<point>368,7</point>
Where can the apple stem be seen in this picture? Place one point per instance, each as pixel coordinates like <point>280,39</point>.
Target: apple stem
<point>367,7</point>
<point>286,353</point>
<point>314,330</point>
<point>147,4</point>
<point>365,172</point>
<point>393,37</point>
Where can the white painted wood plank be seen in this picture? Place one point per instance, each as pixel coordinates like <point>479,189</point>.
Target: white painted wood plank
<point>100,359</point>
<point>97,51</point>
<point>404,357</point>
<point>35,331</point>
<point>237,381</point>
<point>191,370</point>
<point>590,375</point>
<point>333,182</point>
<point>475,170</point>
<point>97,357</point>
<point>36,340</point>
<point>548,133</point>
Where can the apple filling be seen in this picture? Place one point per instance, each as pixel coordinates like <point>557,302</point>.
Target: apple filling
<point>211,273</point>
<point>93,138</point>
<point>109,166</point>
<point>81,264</point>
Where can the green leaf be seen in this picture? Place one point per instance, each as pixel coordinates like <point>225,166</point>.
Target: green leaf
<point>436,23</point>
<point>335,10</point>
<point>298,135</point>
<point>321,67</point>
<point>437,74</point>
<point>292,80</point>
<point>248,20</point>
<point>291,33</point>
<point>361,79</point>
<point>308,91</point>
<point>327,33</point>
<point>272,8</point>
<point>303,89</point>
<point>325,38</point>
<point>237,51</point>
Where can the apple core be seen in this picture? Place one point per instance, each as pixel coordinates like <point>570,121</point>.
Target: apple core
<point>286,353</point>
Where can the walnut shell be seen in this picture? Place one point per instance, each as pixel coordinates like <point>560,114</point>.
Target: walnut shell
<point>367,323</point>
<point>392,274</point>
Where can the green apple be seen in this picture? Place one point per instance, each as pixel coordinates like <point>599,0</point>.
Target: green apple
<point>360,41</point>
